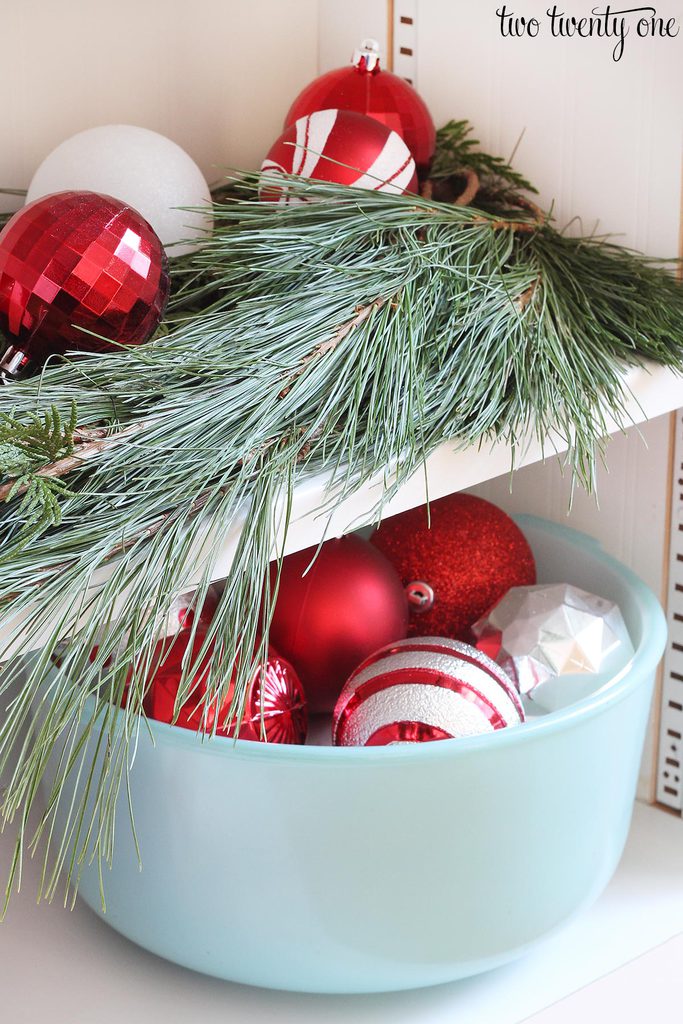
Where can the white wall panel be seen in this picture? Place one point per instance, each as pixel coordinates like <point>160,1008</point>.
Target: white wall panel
<point>602,140</point>
<point>216,76</point>
<point>344,24</point>
<point>628,511</point>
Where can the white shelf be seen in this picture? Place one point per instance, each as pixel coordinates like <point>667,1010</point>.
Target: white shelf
<point>70,968</point>
<point>652,390</point>
<point>647,988</point>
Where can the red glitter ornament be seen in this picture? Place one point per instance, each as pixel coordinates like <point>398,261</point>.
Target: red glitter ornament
<point>275,710</point>
<point>472,554</point>
<point>364,87</point>
<point>348,604</point>
<point>75,262</point>
<point>431,688</point>
<point>341,147</point>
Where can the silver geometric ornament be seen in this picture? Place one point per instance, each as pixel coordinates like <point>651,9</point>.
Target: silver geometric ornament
<point>558,642</point>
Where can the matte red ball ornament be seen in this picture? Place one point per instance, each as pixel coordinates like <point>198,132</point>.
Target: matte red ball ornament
<point>431,688</point>
<point>341,147</point>
<point>275,710</point>
<point>362,86</point>
<point>325,622</point>
<point>77,262</point>
<point>456,569</point>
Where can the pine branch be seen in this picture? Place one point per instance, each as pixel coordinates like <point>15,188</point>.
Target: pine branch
<point>362,314</point>
<point>351,335</point>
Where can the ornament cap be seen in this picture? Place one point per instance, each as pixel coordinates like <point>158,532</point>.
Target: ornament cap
<point>15,363</point>
<point>420,596</point>
<point>366,57</point>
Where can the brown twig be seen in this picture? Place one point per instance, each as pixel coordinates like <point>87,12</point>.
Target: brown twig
<point>470,190</point>
<point>362,314</point>
<point>427,190</point>
<point>82,435</point>
<point>520,225</point>
<point>523,300</point>
<point>527,204</point>
<point>467,196</point>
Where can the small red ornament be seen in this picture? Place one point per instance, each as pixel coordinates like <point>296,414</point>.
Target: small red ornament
<point>364,87</point>
<point>75,262</point>
<point>183,609</point>
<point>455,570</point>
<point>275,710</point>
<point>431,688</point>
<point>341,147</point>
<point>348,604</point>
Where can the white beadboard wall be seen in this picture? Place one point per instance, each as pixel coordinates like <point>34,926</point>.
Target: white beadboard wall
<point>343,24</point>
<point>215,75</point>
<point>602,140</point>
<point>629,515</point>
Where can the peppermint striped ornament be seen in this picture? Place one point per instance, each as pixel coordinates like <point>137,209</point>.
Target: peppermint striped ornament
<point>427,688</point>
<point>338,146</point>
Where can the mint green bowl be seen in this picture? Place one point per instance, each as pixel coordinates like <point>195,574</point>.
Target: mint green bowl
<point>371,869</point>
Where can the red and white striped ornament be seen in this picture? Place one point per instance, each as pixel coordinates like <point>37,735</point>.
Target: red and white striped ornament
<point>428,688</point>
<point>342,147</point>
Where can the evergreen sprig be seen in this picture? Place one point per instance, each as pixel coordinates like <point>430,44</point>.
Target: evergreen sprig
<point>350,335</point>
<point>456,150</point>
<point>37,439</point>
<point>26,447</point>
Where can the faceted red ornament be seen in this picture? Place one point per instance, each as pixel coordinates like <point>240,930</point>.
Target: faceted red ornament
<point>455,570</point>
<point>325,622</point>
<point>363,87</point>
<point>75,262</point>
<point>341,147</point>
<point>275,710</point>
<point>431,688</point>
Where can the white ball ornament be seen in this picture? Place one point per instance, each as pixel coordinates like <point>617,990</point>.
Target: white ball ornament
<point>140,167</point>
